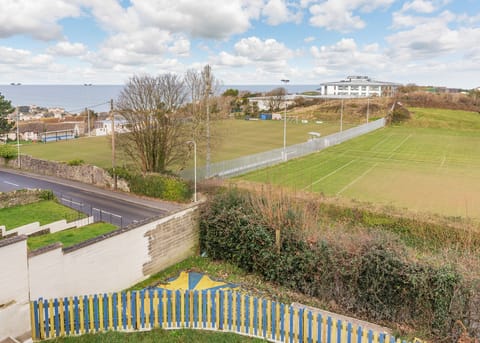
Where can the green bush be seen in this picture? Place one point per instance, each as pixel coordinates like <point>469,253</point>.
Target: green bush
<point>167,187</point>
<point>8,151</point>
<point>377,279</point>
<point>46,194</point>
<point>76,162</point>
<point>160,186</point>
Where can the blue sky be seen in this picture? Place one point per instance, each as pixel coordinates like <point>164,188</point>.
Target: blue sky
<point>426,42</point>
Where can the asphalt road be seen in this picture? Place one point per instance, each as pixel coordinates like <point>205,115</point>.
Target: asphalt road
<point>118,208</point>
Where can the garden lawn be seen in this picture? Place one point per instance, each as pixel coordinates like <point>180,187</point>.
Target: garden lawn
<point>45,212</point>
<point>158,335</point>
<point>71,236</point>
<point>429,164</point>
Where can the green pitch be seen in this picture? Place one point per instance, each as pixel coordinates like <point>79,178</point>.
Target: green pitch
<point>232,139</point>
<point>430,164</point>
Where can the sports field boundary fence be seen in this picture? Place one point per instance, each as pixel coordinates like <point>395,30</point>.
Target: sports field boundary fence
<point>218,310</point>
<point>261,160</point>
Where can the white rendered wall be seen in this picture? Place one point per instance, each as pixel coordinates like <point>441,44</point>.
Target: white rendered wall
<point>14,301</point>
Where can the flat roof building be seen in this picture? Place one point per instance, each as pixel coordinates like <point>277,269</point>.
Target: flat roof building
<point>358,86</point>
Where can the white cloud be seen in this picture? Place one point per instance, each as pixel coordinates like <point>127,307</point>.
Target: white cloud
<point>347,57</point>
<point>268,57</point>
<point>136,48</point>
<point>420,6</point>
<point>309,39</point>
<point>433,38</point>
<point>277,12</point>
<point>226,59</point>
<point>424,6</point>
<point>216,19</point>
<point>263,51</point>
<point>340,15</point>
<point>38,19</point>
<point>23,58</point>
<point>65,48</point>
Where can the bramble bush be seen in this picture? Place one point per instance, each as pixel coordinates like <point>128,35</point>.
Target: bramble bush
<point>375,279</point>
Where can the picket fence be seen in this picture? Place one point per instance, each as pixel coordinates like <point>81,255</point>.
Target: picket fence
<point>222,310</point>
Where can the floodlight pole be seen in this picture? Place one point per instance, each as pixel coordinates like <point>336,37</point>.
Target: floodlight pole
<point>341,117</point>
<point>368,108</point>
<point>194,169</point>
<point>285,81</point>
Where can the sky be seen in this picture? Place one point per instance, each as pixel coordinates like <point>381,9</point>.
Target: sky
<point>246,42</point>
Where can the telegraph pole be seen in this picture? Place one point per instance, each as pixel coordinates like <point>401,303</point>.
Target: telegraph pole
<point>208,89</point>
<point>113,145</point>
<point>18,140</point>
<point>88,120</point>
<point>285,157</point>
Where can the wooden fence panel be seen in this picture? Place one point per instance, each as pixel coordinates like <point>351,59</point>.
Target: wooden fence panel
<point>222,310</point>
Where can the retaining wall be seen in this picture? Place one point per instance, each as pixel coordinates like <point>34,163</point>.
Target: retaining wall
<point>83,173</point>
<point>108,263</point>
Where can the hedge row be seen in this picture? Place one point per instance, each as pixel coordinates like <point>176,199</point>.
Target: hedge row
<point>376,280</point>
<point>167,187</point>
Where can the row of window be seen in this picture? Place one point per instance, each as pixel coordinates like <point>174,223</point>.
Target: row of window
<point>356,88</point>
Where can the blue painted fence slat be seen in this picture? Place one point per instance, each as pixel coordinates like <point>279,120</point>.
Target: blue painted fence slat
<point>221,310</point>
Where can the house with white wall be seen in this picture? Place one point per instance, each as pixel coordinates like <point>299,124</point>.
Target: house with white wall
<point>104,127</point>
<point>358,86</point>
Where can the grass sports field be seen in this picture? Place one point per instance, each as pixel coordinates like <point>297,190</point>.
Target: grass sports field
<point>430,164</point>
<point>236,138</point>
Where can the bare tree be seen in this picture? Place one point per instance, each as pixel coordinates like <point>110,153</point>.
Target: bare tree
<point>276,98</point>
<point>157,122</point>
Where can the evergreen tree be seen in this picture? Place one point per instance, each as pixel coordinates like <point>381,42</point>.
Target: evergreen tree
<point>5,109</point>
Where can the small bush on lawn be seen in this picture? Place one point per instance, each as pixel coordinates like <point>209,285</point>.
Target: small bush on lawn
<point>77,162</point>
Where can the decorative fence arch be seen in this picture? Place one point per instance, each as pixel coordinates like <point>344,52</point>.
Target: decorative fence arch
<point>222,310</point>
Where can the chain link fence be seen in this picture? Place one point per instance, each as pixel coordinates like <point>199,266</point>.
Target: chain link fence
<point>249,163</point>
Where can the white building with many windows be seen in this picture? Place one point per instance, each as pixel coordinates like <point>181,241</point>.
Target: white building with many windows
<point>358,86</point>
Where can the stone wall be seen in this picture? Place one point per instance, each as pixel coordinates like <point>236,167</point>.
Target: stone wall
<point>84,173</point>
<point>20,197</point>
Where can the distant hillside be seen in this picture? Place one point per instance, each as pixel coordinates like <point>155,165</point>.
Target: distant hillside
<point>353,109</point>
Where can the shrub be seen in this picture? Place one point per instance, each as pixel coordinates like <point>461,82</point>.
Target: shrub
<point>167,187</point>
<point>375,278</point>
<point>76,162</point>
<point>46,194</point>
<point>8,151</point>
<point>160,186</point>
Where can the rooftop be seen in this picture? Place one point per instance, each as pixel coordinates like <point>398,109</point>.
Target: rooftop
<point>362,80</point>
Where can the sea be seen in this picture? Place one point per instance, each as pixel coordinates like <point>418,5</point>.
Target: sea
<point>75,98</point>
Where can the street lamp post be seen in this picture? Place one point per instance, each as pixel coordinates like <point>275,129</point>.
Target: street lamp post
<point>194,169</point>
<point>285,81</point>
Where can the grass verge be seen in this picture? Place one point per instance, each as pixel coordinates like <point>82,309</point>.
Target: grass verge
<point>158,335</point>
<point>44,212</point>
<point>70,237</point>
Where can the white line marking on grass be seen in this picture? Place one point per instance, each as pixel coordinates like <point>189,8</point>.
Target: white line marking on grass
<point>383,140</point>
<point>330,174</point>
<point>358,178</point>
<point>398,146</point>
<point>11,183</point>
<point>443,161</point>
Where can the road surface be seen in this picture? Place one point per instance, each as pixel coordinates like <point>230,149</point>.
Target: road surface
<point>118,208</point>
